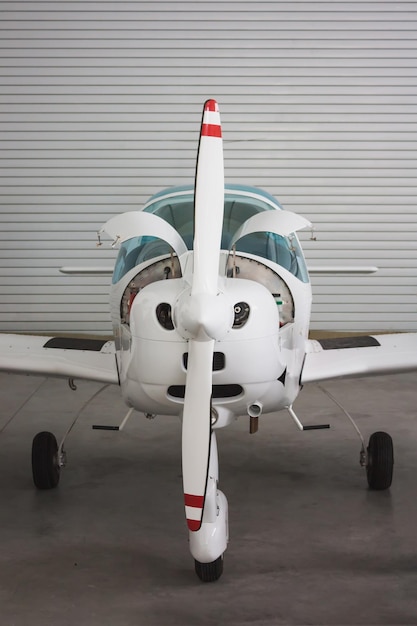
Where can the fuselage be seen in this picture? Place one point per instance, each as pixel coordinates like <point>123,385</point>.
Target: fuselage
<point>264,299</point>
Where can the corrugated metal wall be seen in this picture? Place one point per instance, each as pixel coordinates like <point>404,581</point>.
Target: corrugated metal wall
<point>100,105</point>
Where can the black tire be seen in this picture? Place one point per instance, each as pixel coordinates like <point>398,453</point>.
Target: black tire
<point>380,465</point>
<point>209,572</point>
<point>45,465</point>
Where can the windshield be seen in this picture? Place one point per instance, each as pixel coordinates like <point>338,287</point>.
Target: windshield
<point>177,208</point>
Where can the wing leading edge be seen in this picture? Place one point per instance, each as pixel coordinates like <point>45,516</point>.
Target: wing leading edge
<point>352,357</point>
<point>89,359</point>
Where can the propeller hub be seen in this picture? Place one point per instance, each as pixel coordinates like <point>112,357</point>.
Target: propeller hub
<point>204,316</point>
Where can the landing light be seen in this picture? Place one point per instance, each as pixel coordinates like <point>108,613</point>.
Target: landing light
<point>241,311</point>
<point>163,313</point>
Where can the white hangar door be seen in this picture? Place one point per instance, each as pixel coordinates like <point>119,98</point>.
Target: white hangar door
<point>100,105</point>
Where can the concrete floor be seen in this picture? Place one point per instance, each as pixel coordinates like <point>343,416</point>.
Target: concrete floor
<point>309,543</point>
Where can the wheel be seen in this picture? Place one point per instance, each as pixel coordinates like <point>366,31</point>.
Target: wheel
<point>45,465</point>
<point>209,572</point>
<point>380,463</point>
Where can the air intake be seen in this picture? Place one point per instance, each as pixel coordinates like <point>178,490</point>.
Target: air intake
<point>218,391</point>
<point>219,361</point>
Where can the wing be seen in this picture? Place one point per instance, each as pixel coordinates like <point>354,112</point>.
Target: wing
<point>91,359</point>
<point>351,357</point>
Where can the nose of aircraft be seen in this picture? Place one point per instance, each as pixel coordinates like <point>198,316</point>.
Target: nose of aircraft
<point>203,316</point>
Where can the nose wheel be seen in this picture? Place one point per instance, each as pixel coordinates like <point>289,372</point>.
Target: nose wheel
<point>209,572</point>
<point>46,467</point>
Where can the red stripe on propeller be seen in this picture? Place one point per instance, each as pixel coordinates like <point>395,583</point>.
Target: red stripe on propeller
<point>193,524</point>
<point>211,130</point>
<point>195,501</point>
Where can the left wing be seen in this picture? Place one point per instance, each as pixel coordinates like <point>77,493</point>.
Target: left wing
<point>90,359</point>
<point>352,357</point>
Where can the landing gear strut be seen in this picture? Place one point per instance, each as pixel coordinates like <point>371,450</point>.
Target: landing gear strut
<point>378,458</point>
<point>48,457</point>
<point>208,544</point>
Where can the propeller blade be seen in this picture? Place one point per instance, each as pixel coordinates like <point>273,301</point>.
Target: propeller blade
<point>208,202</point>
<point>208,222</point>
<point>196,429</point>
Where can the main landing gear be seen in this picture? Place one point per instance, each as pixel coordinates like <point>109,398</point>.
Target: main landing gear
<point>46,461</point>
<point>48,457</point>
<point>380,461</point>
<point>377,458</point>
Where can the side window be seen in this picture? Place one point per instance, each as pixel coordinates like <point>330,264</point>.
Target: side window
<point>137,250</point>
<point>284,251</point>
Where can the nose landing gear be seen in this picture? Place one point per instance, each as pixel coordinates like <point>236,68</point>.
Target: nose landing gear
<point>209,572</point>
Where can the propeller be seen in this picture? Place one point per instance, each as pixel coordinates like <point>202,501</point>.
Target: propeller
<point>204,315</point>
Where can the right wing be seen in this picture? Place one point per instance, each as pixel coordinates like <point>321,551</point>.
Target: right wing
<point>65,357</point>
<point>352,357</point>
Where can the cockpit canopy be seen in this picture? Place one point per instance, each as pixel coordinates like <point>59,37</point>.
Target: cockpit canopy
<point>176,206</point>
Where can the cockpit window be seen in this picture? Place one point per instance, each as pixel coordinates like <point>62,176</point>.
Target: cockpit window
<point>284,251</point>
<point>137,250</point>
<point>178,210</point>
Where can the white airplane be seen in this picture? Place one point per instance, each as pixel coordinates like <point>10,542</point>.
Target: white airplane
<point>210,303</point>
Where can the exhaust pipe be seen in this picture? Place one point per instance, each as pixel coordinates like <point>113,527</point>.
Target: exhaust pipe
<point>255,409</point>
